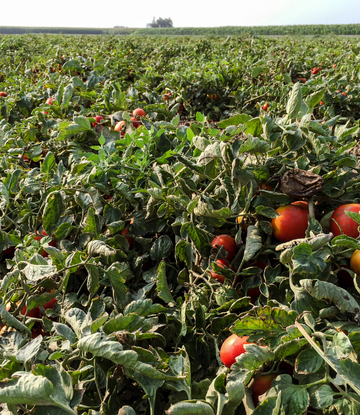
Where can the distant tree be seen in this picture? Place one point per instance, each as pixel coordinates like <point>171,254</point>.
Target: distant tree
<point>160,22</point>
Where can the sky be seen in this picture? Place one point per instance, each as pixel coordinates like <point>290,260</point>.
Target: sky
<point>184,13</point>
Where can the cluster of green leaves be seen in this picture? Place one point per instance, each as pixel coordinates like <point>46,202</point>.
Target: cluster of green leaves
<point>137,314</point>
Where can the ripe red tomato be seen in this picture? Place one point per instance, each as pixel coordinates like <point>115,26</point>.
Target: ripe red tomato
<point>232,347</point>
<point>260,386</point>
<point>98,119</point>
<point>340,219</point>
<point>50,101</point>
<point>228,242</point>
<point>135,122</point>
<point>291,224</point>
<point>139,112</point>
<point>3,94</point>
<point>344,94</point>
<point>8,252</point>
<point>50,304</point>
<point>167,96</point>
<point>222,263</point>
<point>265,106</point>
<point>334,66</point>
<point>51,243</point>
<point>35,312</point>
<point>120,127</point>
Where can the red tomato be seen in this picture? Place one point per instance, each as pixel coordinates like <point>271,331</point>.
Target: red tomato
<point>8,252</point>
<point>167,96</point>
<point>291,224</point>
<point>228,242</point>
<point>50,304</point>
<point>135,122</point>
<point>3,94</point>
<point>265,106</point>
<point>260,386</point>
<point>98,119</point>
<point>51,243</point>
<point>334,66</point>
<point>35,312</point>
<point>120,127</point>
<point>139,112</point>
<point>232,347</point>
<point>50,101</point>
<point>340,219</point>
<point>222,263</point>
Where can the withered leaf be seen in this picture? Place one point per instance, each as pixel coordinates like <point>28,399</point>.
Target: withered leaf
<point>301,183</point>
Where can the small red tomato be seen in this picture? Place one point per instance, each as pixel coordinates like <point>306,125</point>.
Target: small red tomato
<point>53,243</point>
<point>120,127</point>
<point>135,122</point>
<point>50,101</point>
<point>50,304</point>
<point>232,347</point>
<point>98,119</point>
<point>260,386</point>
<point>167,96</point>
<point>344,94</point>
<point>334,66</point>
<point>228,242</point>
<point>139,112</point>
<point>3,94</point>
<point>265,106</point>
<point>34,312</point>
<point>223,264</point>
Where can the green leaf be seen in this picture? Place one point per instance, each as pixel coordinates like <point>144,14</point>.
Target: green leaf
<point>308,361</point>
<point>254,145</point>
<point>235,120</point>
<point>323,290</point>
<point>198,236</point>
<point>162,286</point>
<point>322,398</point>
<point>294,103</point>
<point>184,252</point>
<point>253,242</point>
<point>190,408</point>
<point>54,208</point>
<point>162,248</point>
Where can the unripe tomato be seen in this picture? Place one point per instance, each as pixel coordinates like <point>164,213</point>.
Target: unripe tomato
<point>232,347</point>
<point>120,127</point>
<point>228,242</point>
<point>260,386</point>
<point>139,112</point>
<point>355,262</point>
<point>98,119</point>
<point>221,263</point>
<point>291,224</point>
<point>339,218</point>
<point>50,101</point>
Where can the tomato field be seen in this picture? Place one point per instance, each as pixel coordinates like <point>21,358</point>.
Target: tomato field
<point>179,225</point>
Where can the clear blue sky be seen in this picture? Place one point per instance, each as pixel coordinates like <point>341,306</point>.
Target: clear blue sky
<point>184,13</point>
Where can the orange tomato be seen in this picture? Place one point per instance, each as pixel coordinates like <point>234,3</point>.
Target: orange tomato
<point>291,224</point>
